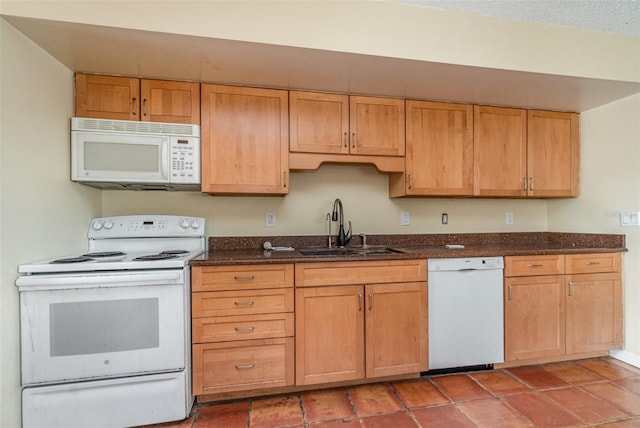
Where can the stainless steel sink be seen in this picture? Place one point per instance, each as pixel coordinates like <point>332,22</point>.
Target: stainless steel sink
<point>346,251</point>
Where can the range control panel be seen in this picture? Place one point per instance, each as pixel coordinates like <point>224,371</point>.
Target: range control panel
<point>146,226</point>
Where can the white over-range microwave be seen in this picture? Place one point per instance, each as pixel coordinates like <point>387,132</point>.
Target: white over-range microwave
<point>123,154</point>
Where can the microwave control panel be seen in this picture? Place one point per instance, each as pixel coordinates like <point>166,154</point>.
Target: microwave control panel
<point>185,160</point>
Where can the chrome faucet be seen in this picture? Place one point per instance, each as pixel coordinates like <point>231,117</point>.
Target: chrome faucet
<point>329,235</point>
<point>338,214</point>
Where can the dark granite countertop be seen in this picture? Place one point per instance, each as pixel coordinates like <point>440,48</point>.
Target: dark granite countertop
<point>248,250</point>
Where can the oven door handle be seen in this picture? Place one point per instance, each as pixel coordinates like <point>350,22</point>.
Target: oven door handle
<point>44,282</point>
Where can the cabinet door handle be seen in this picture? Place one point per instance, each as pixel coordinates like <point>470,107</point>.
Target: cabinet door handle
<point>370,301</point>
<point>144,106</point>
<point>570,288</point>
<point>249,303</point>
<point>410,181</point>
<point>537,265</point>
<point>245,366</point>
<point>353,140</point>
<point>359,302</point>
<point>284,179</point>
<point>530,183</point>
<point>524,184</point>
<point>345,140</point>
<point>244,329</point>
<point>133,106</point>
<point>509,295</point>
<point>592,263</point>
<point>244,278</point>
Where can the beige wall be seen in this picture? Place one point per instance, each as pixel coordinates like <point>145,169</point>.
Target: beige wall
<point>363,192</point>
<point>610,176</point>
<point>41,209</point>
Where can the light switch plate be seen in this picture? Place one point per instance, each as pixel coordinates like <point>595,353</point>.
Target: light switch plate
<point>508,218</point>
<point>629,218</point>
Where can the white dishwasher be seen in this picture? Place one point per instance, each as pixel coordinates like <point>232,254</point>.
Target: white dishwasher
<point>465,312</point>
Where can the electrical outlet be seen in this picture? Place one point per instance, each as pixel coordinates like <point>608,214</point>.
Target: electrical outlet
<point>405,218</point>
<point>630,218</point>
<point>508,218</point>
<point>270,219</point>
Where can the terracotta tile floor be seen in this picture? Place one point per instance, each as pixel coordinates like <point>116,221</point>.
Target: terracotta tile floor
<point>599,392</point>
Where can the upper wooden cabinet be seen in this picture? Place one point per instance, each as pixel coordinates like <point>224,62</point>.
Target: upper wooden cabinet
<point>338,128</point>
<point>439,153</point>
<point>124,98</point>
<point>342,124</point>
<point>553,154</point>
<point>522,153</point>
<point>500,148</point>
<point>245,136</point>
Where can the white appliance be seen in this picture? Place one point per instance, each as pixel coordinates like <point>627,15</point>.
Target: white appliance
<point>106,335</point>
<point>465,312</point>
<point>124,154</point>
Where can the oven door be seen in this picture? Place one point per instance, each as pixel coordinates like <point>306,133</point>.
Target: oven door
<point>99,325</point>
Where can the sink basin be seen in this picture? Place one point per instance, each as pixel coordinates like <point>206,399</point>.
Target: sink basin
<point>345,251</point>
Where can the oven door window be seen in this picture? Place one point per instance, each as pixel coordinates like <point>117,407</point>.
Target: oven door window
<point>78,328</point>
<point>106,331</point>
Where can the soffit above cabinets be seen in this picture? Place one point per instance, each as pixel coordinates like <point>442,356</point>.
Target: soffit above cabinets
<point>98,49</point>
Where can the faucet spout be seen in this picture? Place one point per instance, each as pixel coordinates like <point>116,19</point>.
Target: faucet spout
<point>338,215</point>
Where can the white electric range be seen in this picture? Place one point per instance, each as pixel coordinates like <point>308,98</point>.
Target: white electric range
<point>106,334</point>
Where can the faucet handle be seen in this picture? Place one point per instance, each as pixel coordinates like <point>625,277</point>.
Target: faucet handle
<point>348,235</point>
<point>364,240</point>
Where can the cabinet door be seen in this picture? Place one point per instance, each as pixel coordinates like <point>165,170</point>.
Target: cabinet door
<point>245,139</point>
<point>318,123</point>
<point>107,97</point>
<point>169,101</point>
<point>594,312</point>
<point>396,326</point>
<point>376,126</point>
<point>553,153</point>
<point>439,159</point>
<point>534,317</point>
<point>500,151</point>
<point>329,334</point>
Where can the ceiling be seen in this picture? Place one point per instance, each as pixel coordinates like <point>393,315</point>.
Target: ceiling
<point>98,49</point>
<point>611,16</point>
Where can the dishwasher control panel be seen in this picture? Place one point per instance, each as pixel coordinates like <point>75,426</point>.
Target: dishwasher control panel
<point>465,263</point>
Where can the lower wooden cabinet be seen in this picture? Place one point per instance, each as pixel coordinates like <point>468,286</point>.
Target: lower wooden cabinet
<point>242,365</point>
<point>331,344</point>
<point>534,322</point>
<point>242,328</point>
<point>594,312</point>
<point>558,315</point>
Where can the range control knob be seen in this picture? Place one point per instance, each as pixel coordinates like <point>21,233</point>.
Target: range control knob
<point>185,223</point>
<point>108,225</point>
<point>195,224</point>
<point>97,225</point>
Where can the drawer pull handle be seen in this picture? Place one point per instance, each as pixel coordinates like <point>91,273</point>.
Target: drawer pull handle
<point>249,303</point>
<point>244,329</point>
<point>244,278</point>
<point>592,263</point>
<point>245,366</point>
<point>535,265</point>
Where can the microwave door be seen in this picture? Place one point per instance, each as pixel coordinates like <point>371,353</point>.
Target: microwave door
<point>123,158</point>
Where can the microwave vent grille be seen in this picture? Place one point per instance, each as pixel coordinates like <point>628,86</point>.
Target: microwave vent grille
<point>130,126</point>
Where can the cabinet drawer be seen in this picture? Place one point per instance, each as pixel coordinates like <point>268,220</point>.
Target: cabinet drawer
<point>369,272</point>
<point>593,263</point>
<point>243,365</point>
<point>223,303</point>
<point>225,329</point>
<point>533,265</point>
<point>220,278</point>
